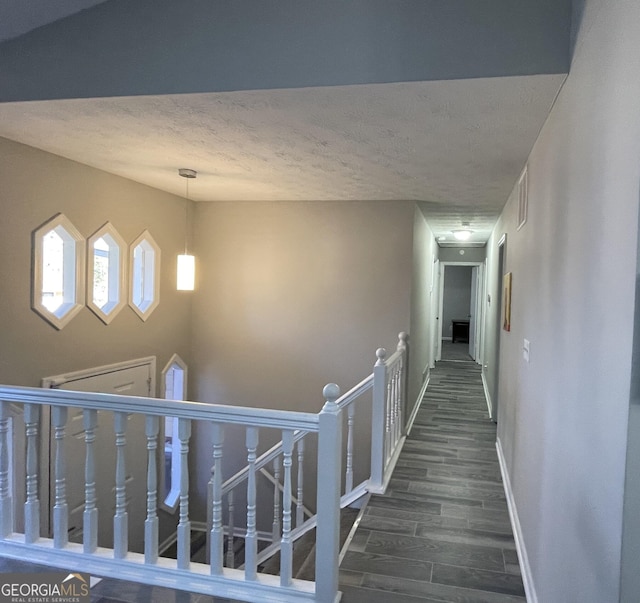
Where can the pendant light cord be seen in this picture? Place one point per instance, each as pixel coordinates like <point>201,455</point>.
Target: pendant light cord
<point>186,217</point>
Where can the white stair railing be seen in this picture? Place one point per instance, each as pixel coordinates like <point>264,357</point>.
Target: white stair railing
<point>150,567</point>
<point>386,388</point>
<point>384,391</point>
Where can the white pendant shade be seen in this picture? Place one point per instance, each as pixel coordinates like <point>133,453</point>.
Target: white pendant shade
<point>186,272</point>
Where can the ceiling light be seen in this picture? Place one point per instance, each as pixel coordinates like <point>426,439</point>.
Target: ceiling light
<point>462,235</point>
<point>186,273</point>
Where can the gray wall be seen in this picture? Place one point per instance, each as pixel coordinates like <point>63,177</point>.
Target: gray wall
<point>294,295</point>
<point>563,417</point>
<point>630,577</point>
<point>456,296</point>
<point>471,254</point>
<point>37,185</point>
<point>423,300</point>
<point>116,49</point>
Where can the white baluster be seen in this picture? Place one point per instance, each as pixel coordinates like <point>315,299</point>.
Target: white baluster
<point>184,525</point>
<point>152,428</point>
<point>251,538</point>
<point>403,346</point>
<point>120,519</point>
<point>216,537</point>
<point>328,530</point>
<point>300,484</point>
<point>60,514</point>
<point>231,554</point>
<point>399,418</point>
<point>387,423</point>
<point>378,421</point>
<point>286,547</point>
<point>275,526</point>
<point>90,514</point>
<point>351,411</point>
<point>6,500</point>
<point>393,411</point>
<point>32,504</point>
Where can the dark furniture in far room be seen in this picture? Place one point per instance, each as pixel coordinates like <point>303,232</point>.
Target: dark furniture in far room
<point>460,331</point>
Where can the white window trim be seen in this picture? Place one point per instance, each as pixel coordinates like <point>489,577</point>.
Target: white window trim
<point>155,300</point>
<point>113,305</point>
<point>169,501</point>
<point>75,303</point>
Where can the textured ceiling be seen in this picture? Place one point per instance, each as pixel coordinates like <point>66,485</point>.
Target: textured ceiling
<point>458,145</point>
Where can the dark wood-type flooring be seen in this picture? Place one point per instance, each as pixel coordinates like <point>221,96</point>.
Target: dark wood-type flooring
<point>441,532</point>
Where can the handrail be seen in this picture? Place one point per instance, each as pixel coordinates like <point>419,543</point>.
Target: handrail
<point>388,402</point>
<point>242,415</point>
<point>393,358</point>
<point>280,487</point>
<point>264,459</point>
<point>356,391</point>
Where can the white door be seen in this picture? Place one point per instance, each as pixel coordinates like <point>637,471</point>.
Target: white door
<point>130,379</point>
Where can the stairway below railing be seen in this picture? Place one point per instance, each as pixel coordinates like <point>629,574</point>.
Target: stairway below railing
<point>293,513</point>
<point>385,409</point>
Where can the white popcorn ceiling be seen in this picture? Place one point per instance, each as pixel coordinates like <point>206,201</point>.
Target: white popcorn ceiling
<point>458,146</point>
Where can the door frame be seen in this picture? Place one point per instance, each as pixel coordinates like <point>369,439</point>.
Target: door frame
<point>479,318</point>
<point>55,382</point>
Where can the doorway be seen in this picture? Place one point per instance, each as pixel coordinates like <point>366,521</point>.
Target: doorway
<point>495,361</point>
<point>459,319</point>
<point>132,378</point>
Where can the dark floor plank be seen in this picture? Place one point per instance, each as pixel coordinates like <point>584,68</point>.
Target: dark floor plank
<point>499,582</point>
<point>431,550</point>
<point>445,508</point>
<point>434,591</point>
<point>387,565</point>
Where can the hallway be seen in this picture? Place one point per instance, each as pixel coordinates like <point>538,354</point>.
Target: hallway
<point>442,530</point>
<point>441,533</point>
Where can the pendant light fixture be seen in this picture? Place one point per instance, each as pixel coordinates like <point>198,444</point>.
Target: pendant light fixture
<point>186,262</point>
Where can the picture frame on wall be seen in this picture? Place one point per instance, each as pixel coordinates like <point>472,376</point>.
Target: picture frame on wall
<point>506,323</point>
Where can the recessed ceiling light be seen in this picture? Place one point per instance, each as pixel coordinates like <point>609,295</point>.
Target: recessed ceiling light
<point>462,235</point>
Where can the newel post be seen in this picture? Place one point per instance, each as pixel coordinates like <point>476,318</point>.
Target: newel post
<point>378,421</point>
<point>329,480</point>
<point>403,346</point>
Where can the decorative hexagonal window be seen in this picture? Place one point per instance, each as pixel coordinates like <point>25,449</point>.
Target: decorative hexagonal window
<point>144,291</point>
<point>106,274</point>
<point>58,271</point>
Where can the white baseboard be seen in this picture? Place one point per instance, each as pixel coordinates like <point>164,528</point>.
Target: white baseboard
<point>525,568</point>
<point>487,397</point>
<point>416,406</point>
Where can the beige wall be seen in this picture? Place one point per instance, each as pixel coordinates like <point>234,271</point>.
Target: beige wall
<point>37,185</point>
<point>290,295</point>
<point>294,295</point>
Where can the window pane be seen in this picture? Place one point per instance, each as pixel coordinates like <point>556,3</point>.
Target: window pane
<point>100,273</point>
<point>53,271</point>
